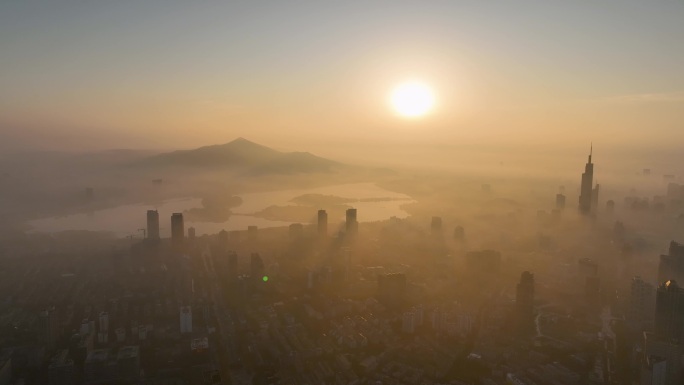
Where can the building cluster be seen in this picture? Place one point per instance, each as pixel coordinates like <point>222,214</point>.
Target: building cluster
<point>393,302</point>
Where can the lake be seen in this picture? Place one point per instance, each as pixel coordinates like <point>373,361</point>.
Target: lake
<point>127,219</point>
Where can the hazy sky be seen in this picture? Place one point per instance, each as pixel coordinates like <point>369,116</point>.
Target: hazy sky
<point>162,73</point>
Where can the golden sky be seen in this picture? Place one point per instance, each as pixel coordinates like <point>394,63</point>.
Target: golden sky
<point>160,74</point>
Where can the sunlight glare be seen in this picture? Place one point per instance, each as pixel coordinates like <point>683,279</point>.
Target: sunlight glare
<point>412,99</point>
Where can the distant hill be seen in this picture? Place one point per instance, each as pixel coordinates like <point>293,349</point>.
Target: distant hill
<point>242,155</point>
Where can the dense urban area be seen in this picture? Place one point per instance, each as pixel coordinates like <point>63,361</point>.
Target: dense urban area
<point>567,294</point>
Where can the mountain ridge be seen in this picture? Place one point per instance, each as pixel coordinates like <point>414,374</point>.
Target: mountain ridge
<point>243,155</point>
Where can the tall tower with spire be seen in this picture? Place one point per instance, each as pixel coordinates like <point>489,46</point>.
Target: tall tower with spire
<point>586,193</point>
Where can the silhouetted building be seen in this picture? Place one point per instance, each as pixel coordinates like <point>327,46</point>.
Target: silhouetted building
<point>524,302</point>
<point>436,226</point>
<point>610,206</point>
<point>586,192</point>
<point>351,225</point>
<point>153,225</point>
<point>669,315</point>
<point>661,362</point>
<point>671,266</point>
<point>256,266</point>
<point>185,319</point>
<point>560,201</point>
<point>392,289</point>
<point>177,228</point>
<point>252,234</point>
<point>232,265</point>
<point>49,327</point>
<point>641,305</point>
<point>595,198</point>
<point>322,223</point>
<point>192,233</point>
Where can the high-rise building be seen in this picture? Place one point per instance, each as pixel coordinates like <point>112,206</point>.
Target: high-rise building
<point>595,198</point>
<point>252,234</point>
<point>49,326</point>
<point>586,192</point>
<point>560,201</point>
<point>669,314</point>
<point>232,265</point>
<point>223,239</point>
<point>661,362</point>
<point>524,302</point>
<point>322,223</point>
<point>256,266</point>
<point>103,328</point>
<point>671,266</point>
<point>436,226</point>
<point>641,305</point>
<point>351,225</point>
<point>191,233</point>
<point>153,224</point>
<point>185,319</point>
<point>177,228</point>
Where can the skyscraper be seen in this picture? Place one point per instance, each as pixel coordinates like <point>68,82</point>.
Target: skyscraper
<point>436,226</point>
<point>641,305</point>
<point>152,225</point>
<point>595,198</point>
<point>322,223</point>
<point>252,234</point>
<point>586,192</point>
<point>524,302</point>
<point>352,226</point>
<point>49,327</point>
<point>669,314</point>
<point>671,266</point>
<point>560,201</point>
<point>662,358</point>
<point>177,228</point>
<point>257,268</point>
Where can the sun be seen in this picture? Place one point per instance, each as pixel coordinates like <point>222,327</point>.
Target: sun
<point>412,99</point>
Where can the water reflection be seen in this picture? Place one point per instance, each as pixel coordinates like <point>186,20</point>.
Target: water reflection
<point>126,219</point>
